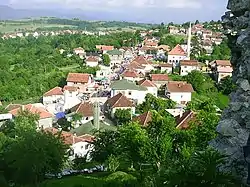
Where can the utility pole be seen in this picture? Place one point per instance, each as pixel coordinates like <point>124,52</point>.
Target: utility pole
<point>189,41</point>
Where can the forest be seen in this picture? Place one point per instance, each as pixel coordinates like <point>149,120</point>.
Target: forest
<point>29,66</point>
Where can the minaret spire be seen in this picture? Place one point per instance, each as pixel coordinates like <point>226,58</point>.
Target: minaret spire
<point>189,41</point>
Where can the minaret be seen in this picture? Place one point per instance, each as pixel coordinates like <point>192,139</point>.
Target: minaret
<point>97,115</point>
<point>189,41</point>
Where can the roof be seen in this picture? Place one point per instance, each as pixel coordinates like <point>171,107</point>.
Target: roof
<point>79,48</point>
<point>12,106</point>
<point>91,59</point>
<point>135,65</point>
<point>179,86</point>
<point>68,138</point>
<point>43,114</point>
<point>78,77</point>
<point>167,65</point>
<point>183,121</point>
<point>126,85</point>
<point>189,63</point>
<point>225,69</point>
<point>119,100</point>
<point>146,83</point>
<point>144,119</point>
<point>105,47</point>
<point>130,73</point>
<point>159,77</point>
<point>141,60</point>
<point>114,52</point>
<point>177,50</point>
<point>54,91</point>
<point>223,63</point>
<point>164,47</point>
<point>84,108</point>
<point>70,88</point>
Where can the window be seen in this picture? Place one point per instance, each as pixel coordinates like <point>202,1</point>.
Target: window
<point>86,146</point>
<point>87,118</point>
<point>185,66</point>
<point>129,93</point>
<point>181,96</point>
<point>176,61</point>
<point>81,147</point>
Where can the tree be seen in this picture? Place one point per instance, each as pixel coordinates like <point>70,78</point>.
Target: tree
<point>122,116</point>
<point>196,22</point>
<point>106,60</point>
<point>113,163</point>
<point>64,124</point>
<point>226,85</point>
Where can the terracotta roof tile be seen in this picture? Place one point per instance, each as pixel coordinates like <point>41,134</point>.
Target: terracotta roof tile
<point>91,59</point>
<point>177,50</point>
<point>179,86</point>
<point>146,83</point>
<point>84,108</point>
<point>70,88</point>
<point>134,65</point>
<point>167,65</point>
<point>12,106</point>
<point>105,47</point>
<point>159,77</point>
<point>144,119</point>
<point>54,91</point>
<point>130,73</point>
<point>223,63</point>
<point>119,100</point>
<point>141,60</point>
<point>78,77</point>
<point>184,120</point>
<point>225,69</point>
<point>189,63</point>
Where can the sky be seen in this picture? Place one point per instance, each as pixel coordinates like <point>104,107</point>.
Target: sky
<point>176,10</point>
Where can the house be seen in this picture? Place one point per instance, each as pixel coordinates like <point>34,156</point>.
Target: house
<point>152,88</point>
<point>173,30</point>
<point>184,119</point>
<point>104,48</point>
<point>143,119</point>
<point>127,53</point>
<point>179,91</point>
<point>45,117</point>
<point>119,101</point>
<point>166,68</point>
<point>105,71</point>
<point>221,69</point>
<point>79,50</point>
<point>80,146</point>
<point>176,55</point>
<point>92,61</point>
<point>85,110</point>
<point>53,96</point>
<point>144,63</point>
<point>78,79</point>
<point>131,75</point>
<point>186,66</point>
<point>162,50</point>
<point>129,89</point>
<point>115,56</point>
<point>152,44</point>
<point>160,79</point>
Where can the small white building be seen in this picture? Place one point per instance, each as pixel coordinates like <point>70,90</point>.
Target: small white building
<point>166,68</point>
<point>115,56</point>
<point>152,88</point>
<point>79,50</point>
<point>92,61</point>
<point>186,66</point>
<point>131,75</point>
<point>105,71</point>
<point>53,96</point>
<point>116,102</point>
<point>221,69</point>
<point>78,79</point>
<point>176,55</point>
<point>160,79</point>
<point>179,91</point>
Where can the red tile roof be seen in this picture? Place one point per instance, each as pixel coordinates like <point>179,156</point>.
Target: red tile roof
<point>119,100</point>
<point>184,120</point>
<point>177,50</point>
<point>159,77</point>
<point>12,106</point>
<point>105,47</point>
<point>70,88</point>
<point>84,108</point>
<point>91,59</point>
<point>54,91</point>
<point>69,138</point>
<point>130,73</point>
<point>167,65</point>
<point>179,86</point>
<point>78,77</point>
<point>223,63</point>
<point>144,119</point>
<point>146,83</point>
<point>43,114</point>
<point>189,63</point>
<point>141,60</point>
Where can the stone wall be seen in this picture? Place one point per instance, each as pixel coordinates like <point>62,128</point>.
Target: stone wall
<point>234,126</point>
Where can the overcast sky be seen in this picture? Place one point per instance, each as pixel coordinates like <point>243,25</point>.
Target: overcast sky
<point>178,10</point>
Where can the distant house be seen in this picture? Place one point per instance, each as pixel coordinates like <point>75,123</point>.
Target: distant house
<point>186,66</point>
<point>78,79</point>
<point>45,117</point>
<point>173,30</point>
<point>80,146</point>
<point>116,102</point>
<point>129,89</point>
<point>115,56</point>
<point>104,48</point>
<point>143,119</point>
<point>166,68</point>
<point>144,63</point>
<point>184,119</point>
<point>79,51</point>
<point>176,55</point>
<point>127,53</point>
<point>221,69</point>
<point>179,91</point>
<point>104,72</point>
<point>131,75</point>
<point>160,79</point>
<point>92,61</point>
<point>71,97</point>
<point>53,96</point>
<point>152,88</point>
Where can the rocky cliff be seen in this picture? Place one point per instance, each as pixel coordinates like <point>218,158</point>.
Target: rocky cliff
<point>234,126</point>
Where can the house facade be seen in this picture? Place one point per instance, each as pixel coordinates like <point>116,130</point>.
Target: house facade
<point>186,66</point>
<point>221,69</point>
<point>131,75</point>
<point>92,61</point>
<point>176,55</point>
<point>53,96</point>
<point>78,79</point>
<point>166,68</point>
<point>115,56</point>
<point>152,88</point>
<point>160,79</point>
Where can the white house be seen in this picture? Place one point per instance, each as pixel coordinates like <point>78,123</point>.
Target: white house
<point>176,55</point>
<point>116,102</point>
<point>105,71</point>
<point>115,56</point>
<point>160,79</point>
<point>128,54</point>
<point>79,50</point>
<point>147,65</point>
<point>152,88</point>
<point>166,68</point>
<point>92,61</point>
<point>179,91</point>
<point>186,66</point>
<point>104,48</point>
<point>53,96</point>
<point>131,75</point>
<point>71,97</point>
<point>129,89</point>
<point>78,79</point>
<point>221,69</point>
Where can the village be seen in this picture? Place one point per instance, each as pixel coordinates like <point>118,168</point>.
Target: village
<point>91,102</point>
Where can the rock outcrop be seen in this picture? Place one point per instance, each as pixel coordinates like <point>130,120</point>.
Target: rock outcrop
<point>234,126</point>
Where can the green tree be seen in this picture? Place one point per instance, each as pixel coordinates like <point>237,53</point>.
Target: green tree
<point>64,124</point>
<point>226,86</point>
<point>106,60</point>
<point>122,116</point>
<point>113,163</point>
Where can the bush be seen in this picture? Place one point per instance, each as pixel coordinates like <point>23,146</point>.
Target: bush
<point>121,179</point>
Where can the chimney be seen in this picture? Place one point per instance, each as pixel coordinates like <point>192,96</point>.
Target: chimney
<point>181,112</point>
<point>97,115</point>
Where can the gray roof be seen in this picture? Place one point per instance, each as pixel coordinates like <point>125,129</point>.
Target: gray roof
<point>126,85</point>
<point>114,52</point>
